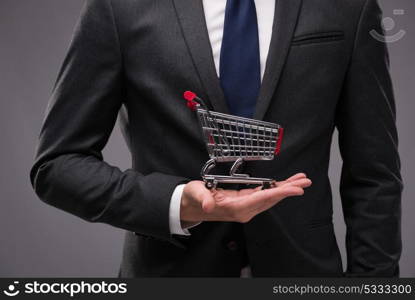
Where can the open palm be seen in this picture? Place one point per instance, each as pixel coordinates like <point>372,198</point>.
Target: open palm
<point>200,204</point>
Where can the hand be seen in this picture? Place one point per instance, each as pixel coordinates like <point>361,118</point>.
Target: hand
<point>200,204</point>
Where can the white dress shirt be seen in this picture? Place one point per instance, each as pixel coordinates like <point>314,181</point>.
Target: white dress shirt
<point>215,19</point>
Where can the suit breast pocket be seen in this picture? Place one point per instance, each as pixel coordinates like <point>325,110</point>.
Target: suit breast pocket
<point>318,38</point>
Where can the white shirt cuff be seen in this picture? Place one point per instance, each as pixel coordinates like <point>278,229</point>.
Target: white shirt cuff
<point>174,214</point>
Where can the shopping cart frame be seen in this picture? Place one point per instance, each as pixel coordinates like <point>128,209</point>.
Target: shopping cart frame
<point>268,139</point>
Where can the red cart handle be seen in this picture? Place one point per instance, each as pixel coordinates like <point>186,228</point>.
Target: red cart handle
<point>279,141</point>
<point>193,100</point>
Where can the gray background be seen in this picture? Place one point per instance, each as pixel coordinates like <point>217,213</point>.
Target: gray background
<point>38,240</point>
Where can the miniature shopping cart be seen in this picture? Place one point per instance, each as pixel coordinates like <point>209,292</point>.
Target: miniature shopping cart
<point>235,139</point>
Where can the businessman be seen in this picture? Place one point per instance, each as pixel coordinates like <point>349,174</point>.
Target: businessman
<point>310,65</point>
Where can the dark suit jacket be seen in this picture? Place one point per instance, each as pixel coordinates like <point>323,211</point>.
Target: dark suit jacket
<point>324,71</point>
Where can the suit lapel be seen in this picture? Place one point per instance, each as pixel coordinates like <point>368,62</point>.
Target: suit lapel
<point>285,20</point>
<point>192,21</point>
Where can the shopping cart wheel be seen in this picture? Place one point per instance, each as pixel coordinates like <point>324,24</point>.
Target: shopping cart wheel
<point>211,184</point>
<point>266,185</point>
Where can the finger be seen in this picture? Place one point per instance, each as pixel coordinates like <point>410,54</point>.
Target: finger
<point>227,196</point>
<point>271,195</point>
<point>289,191</point>
<point>234,193</point>
<point>296,176</point>
<point>292,178</point>
<point>303,183</point>
<point>283,192</point>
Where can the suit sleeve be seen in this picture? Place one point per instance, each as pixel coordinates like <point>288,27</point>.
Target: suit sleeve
<point>69,172</point>
<point>371,184</point>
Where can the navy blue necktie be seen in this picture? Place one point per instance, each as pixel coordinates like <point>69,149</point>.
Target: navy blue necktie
<point>240,69</point>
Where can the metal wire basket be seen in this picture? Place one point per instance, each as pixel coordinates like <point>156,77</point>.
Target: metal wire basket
<point>235,139</point>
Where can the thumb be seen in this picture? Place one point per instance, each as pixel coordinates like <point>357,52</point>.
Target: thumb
<point>208,202</point>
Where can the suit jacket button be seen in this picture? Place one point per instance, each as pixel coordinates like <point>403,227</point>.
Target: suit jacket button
<point>232,246</point>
